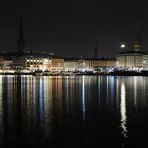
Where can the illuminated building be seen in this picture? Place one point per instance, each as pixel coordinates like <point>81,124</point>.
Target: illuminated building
<point>70,64</point>
<point>7,63</point>
<point>32,61</point>
<point>103,62</point>
<point>82,64</point>
<point>91,63</point>
<point>1,60</point>
<point>131,58</point>
<point>29,60</point>
<point>37,62</point>
<point>57,64</point>
<point>43,62</point>
<point>145,62</point>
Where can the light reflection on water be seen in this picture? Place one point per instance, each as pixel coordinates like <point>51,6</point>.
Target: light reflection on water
<point>135,91</point>
<point>83,96</point>
<point>51,110</point>
<point>123,111</point>
<point>1,110</point>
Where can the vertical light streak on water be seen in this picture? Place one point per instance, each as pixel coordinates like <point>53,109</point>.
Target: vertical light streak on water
<point>112,87</point>
<point>34,90</point>
<point>144,87</point>
<point>29,89</point>
<point>117,91</point>
<point>67,94</point>
<point>9,87</point>
<point>1,107</point>
<point>56,87</point>
<point>59,95</point>
<point>24,86</point>
<point>13,88</point>
<point>41,99</point>
<point>24,93</point>
<point>50,89</point>
<point>107,88</point>
<point>67,89</point>
<point>46,92</point>
<point>83,97</point>
<point>99,88</point>
<point>135,91</point>
<point>46,106</point>
<point>1,90</point>
<point>123,111</point>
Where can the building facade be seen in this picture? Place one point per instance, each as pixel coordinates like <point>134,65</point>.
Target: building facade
<point>70,65</point>
<point>145,62</point>
<point>130,59</point>
<point>103,62</point>
<point>57,64</point>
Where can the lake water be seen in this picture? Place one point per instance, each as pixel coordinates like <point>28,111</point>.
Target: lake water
<point>72,112</point>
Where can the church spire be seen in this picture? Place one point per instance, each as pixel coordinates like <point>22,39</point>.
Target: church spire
<point>20,42</point>
<point>138,43</point>
<point>95,50</point>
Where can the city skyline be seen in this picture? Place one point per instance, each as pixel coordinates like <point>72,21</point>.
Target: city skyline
<point>72,29</point>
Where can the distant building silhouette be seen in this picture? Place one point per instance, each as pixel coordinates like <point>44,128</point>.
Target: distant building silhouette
<point>138,43</point>
<point>20,42</point>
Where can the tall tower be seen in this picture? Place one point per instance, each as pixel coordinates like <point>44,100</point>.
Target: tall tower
<point>95,50</point>
<point>138,43</point>
<point>20,42</point>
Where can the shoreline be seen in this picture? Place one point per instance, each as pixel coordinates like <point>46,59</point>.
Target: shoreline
<point>80,74</point>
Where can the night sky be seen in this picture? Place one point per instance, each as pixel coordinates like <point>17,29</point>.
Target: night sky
<point>71,28</point>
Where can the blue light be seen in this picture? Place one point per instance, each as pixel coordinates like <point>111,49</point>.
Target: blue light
<point>41,99</point>
<point>83,97</point>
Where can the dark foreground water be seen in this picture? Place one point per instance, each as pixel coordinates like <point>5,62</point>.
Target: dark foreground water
<point>72,112</point>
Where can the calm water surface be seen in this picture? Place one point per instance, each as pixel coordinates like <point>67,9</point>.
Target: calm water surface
<point>81,111</point>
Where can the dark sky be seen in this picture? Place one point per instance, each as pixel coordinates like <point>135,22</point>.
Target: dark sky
<point>70,28</point>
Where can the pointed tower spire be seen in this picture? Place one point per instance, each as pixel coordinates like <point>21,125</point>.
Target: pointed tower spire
<point>20,42</point>
<point>95,50</point>
<point>138,43</point>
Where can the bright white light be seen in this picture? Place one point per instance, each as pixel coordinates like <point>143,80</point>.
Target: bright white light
<point>122,45</point>
<point>83,70</point>
<point>123,111</point>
